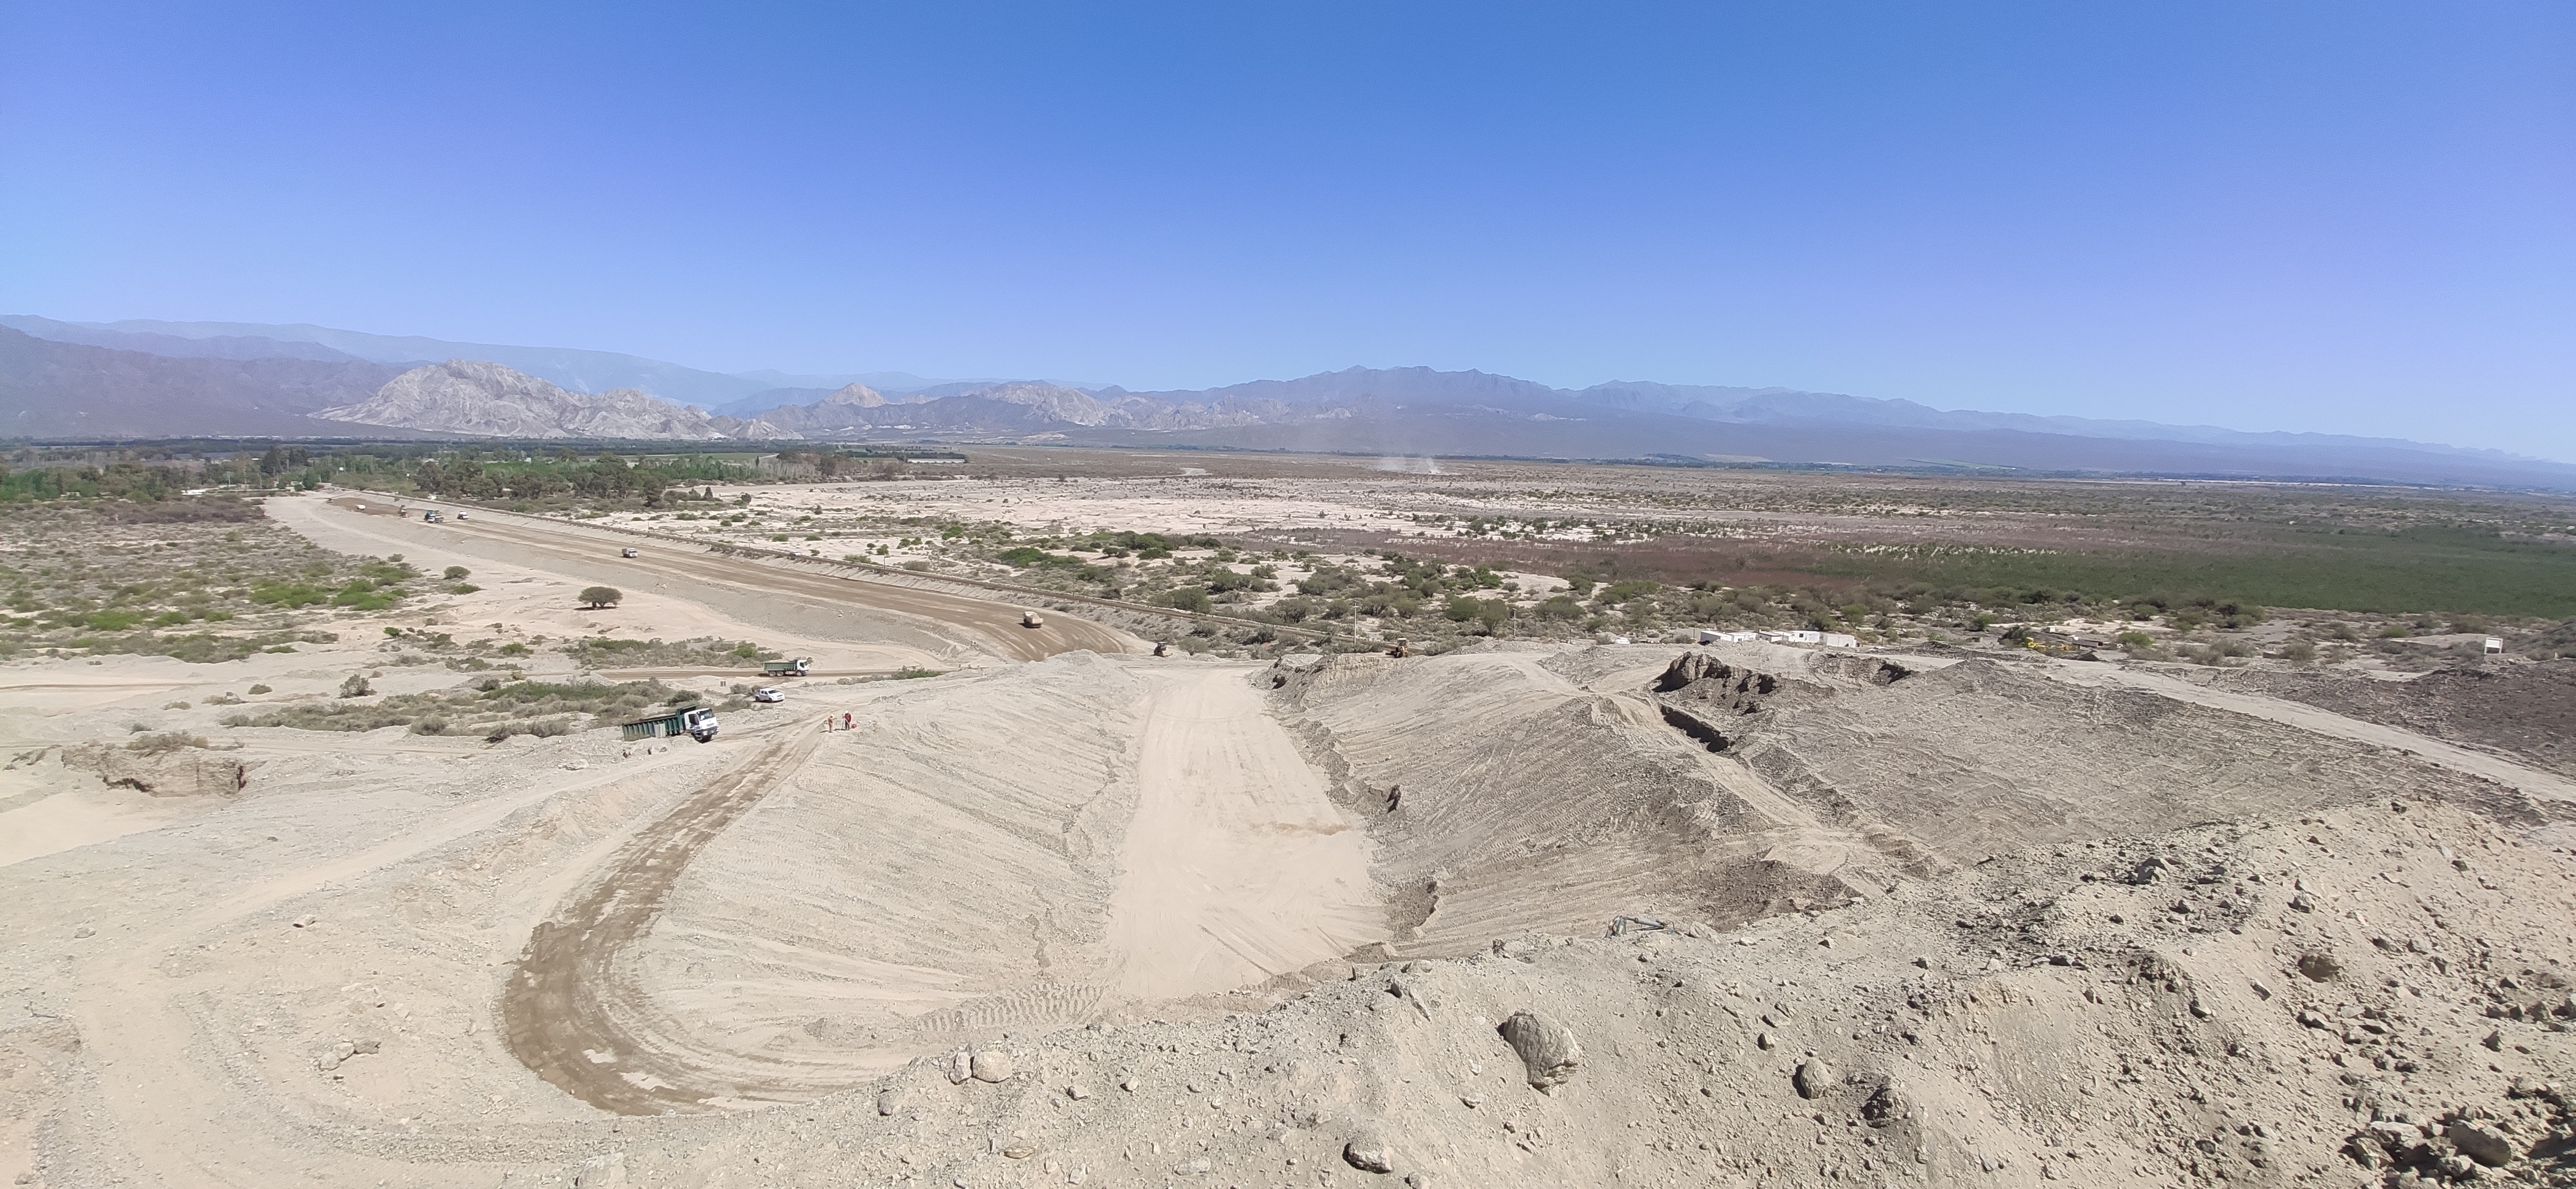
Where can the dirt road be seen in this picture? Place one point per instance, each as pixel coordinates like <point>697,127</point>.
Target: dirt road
<point>571,1010</point>
<point>1237,866</point>
<point>589,556</point>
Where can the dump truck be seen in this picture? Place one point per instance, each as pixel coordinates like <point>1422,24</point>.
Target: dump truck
<point>696,722</point>
<point>794,668</point>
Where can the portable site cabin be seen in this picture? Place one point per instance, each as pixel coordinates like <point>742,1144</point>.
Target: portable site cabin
<point>696,722</point>
<point>2494,646</point>
<point>789,668</point>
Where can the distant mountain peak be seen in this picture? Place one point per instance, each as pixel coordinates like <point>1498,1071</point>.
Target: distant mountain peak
<point>486,399</point>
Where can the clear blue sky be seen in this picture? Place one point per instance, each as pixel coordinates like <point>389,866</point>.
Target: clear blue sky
<point>2341,216</point>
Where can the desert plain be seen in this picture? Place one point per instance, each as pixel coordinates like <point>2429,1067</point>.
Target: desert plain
<point>1107,839</point>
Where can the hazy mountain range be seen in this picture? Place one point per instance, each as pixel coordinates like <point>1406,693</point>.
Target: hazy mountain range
<point>94,381</point>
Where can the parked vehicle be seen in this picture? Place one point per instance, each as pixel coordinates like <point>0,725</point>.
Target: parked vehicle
<point>769,693</point>
<point>696,722</point>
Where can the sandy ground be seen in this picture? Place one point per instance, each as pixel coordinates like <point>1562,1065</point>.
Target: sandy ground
<point>1236,866</point>
<point>1104,918</point>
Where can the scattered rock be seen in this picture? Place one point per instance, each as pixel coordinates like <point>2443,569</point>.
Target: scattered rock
<point>369,1047</point>
<point>2303,902</point>
<point>1019,1151</point>
<point>1812,1079</point>
<point>959,1066</point>
<point>2494,1041</point>
<point>2483,1143</point>
<point>84,931</point>
<point>991,1065</point>
<point>889,1101</point>
<point>1077,1093</point>
<point>1547,1050</point>
<point>2319,967</point>
<point>1887,1105</point>
<point>1369,1154</point>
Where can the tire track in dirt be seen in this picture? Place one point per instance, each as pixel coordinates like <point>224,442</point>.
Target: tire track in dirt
<point>572,1008</point>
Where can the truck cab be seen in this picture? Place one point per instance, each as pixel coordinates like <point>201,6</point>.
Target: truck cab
<point>700,723</point>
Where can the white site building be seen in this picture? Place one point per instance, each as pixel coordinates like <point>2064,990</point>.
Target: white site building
<point>1801,636</point>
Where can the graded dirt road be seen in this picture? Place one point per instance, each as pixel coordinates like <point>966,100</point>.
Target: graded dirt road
<point>569,1009</point>
<point>1236,867</point>
<point>859,608</point>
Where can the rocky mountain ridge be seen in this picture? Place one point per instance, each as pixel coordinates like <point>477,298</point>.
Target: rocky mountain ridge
<point>484,399</point>
<point>141,379</point>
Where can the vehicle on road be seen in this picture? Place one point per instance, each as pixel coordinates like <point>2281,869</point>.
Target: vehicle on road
<point>769,693</point>
<point>629,551</point>
<point>429,517</point>
<point>460,515</point>
<point>1031,619</point>
<point>796,667</point>
<point>696,722</point>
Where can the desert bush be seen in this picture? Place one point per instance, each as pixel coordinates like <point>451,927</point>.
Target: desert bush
<point>164,742</point>
<point>707,652</point>
<point>259,689</point>
<point>455,573</point>
<point>596,597</point>
<point>356,686</point>
<point>1560,607</point>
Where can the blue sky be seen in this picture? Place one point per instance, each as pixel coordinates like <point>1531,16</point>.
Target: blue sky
<point>2350,217</point>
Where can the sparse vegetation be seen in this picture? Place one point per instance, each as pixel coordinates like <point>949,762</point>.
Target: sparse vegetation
<point>200,580</point>
<point>706,652</point>
<point>488,707</point>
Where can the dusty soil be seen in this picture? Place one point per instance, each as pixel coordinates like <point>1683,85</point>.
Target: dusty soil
<point>1107,918</point>
<point>2522,709</point>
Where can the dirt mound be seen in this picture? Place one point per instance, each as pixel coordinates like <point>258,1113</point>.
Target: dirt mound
<point>176,771</point>
<point>2523,710</point>
<point>1979,758</point>
<point>1506,799</point>
<point>2342,1003</point>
